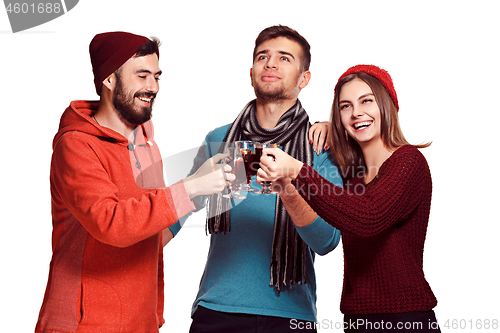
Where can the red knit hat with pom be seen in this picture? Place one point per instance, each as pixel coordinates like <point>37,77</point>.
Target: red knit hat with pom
<point>378,73</point>
<point>110,50</point>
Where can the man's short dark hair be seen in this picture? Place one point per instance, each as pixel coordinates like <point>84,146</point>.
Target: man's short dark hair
<point>284,31</point>
<point>149,47</point>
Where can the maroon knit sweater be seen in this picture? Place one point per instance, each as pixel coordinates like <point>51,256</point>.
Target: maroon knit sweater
<point>383,227</point>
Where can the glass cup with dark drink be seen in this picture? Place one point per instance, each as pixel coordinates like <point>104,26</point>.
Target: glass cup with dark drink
<point>235,160</point>
<point>259,147</point>
<point>246,151</point>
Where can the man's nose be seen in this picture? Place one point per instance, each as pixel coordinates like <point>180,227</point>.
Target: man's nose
<point>153,85</point>
<point>271,63</point>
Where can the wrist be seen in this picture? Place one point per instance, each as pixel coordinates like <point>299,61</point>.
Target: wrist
<point>283,186</point>
<point>190,187</point>
<point>296,169</point>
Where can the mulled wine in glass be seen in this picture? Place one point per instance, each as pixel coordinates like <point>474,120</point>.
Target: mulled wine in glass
<point>246,150</point>
<point>235,160</point>
<point>259,147</point>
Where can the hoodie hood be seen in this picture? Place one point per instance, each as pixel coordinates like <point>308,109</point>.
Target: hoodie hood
<point>77,117</point>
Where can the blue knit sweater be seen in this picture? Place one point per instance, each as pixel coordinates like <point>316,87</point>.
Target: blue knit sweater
<point>237,274</point>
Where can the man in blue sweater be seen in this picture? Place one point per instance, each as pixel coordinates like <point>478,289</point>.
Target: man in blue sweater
<point>259,275</point>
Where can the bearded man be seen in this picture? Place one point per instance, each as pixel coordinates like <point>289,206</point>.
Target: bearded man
<point>110,206</point>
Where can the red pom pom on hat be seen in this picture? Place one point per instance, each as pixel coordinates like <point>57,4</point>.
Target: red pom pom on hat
<point>378,73</point>
<point>110,50</point>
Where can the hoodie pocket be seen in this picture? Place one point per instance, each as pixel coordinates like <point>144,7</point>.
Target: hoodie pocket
<point>79,307</point>
<point>100,306</point>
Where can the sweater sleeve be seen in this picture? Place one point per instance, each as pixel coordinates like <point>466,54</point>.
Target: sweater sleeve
<point>368,211</point>
<point>79,178</point>
<point>320,236</point>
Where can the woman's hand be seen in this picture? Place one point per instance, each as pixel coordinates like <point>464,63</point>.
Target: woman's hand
<point>210,178</point>
<point>276,165</point>
<point>318,135</point>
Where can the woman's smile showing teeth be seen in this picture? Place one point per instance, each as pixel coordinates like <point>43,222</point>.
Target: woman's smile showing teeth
<point>362,125</point>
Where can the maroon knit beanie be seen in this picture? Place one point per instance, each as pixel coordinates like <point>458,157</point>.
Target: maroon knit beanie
<point>380,74</point>
<point>110,50</point>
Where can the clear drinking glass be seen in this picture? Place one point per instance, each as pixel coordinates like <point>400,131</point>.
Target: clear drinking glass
<point>247,149</point>
<point>266,186</point>
<point>235,160</point>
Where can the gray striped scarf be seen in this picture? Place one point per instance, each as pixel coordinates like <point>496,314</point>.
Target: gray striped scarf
<point>289,253</point>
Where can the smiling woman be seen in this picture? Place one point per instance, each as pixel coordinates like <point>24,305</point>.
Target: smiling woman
<point>377,104</point>
<point>383,211</point>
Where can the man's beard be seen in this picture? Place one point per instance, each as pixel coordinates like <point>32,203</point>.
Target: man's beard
<point>127,111</point>
<point>270,95</point>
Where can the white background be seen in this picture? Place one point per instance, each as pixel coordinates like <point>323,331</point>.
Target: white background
<point>443,57</point>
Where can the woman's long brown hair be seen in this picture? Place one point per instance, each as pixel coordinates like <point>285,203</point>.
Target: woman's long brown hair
<point>345,150</point>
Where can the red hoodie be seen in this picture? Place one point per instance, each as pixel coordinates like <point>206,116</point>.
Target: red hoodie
<point>109,206</point>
